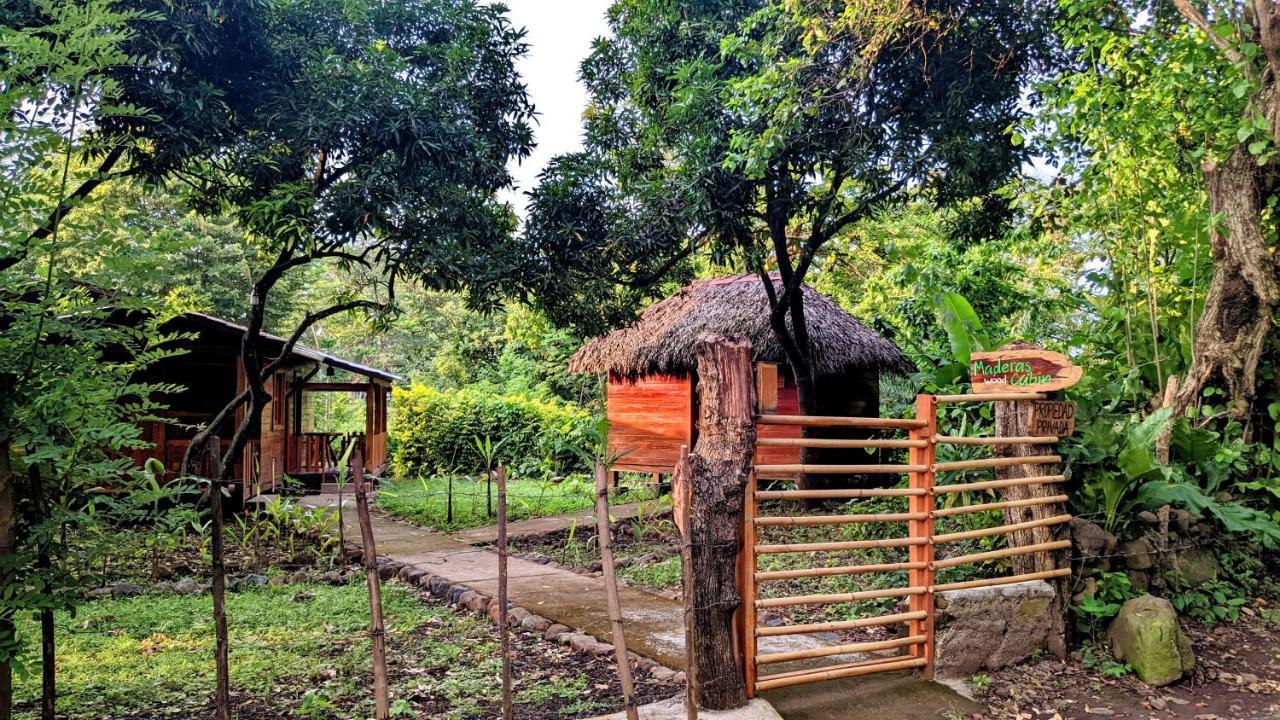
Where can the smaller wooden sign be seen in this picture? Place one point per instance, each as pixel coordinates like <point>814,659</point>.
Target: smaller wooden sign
<point>1051,417</point>
<point>1022,370</point>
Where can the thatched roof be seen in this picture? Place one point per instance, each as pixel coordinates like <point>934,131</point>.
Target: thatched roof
<point>663,339</point>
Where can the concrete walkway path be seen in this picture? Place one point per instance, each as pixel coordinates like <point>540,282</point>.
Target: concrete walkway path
<point>654,625</point>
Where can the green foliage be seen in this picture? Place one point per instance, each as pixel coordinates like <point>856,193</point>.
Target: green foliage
<point>756,132</point>
<point>131,656</point>
<point>426,501</point>
<point>1094,614</point>
<point>435,432</point>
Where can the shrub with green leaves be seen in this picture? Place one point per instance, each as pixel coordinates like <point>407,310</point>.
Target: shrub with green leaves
<point>434,431</point>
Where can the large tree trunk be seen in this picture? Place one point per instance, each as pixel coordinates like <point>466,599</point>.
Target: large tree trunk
<point>717,474</point>
<point>1244,293</point>
<point>1013,419</point>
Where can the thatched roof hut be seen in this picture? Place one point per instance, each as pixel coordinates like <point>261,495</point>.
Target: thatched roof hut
<point>664,338</point>
<point>651,366</point>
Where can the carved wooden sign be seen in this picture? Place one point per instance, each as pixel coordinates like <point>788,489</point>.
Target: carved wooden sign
<point>1022,370</point>
<point>1052,418</point>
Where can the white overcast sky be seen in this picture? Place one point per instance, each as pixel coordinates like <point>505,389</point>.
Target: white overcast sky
<point>559,34</point>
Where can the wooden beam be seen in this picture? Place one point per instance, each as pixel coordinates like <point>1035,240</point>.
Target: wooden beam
<point>996,462</point>
<point>770,631</point>
<point>839,469</point>
<point>839,421</point>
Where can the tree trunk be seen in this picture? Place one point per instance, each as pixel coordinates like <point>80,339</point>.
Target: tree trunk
<point>1244,293</point>
<point>718,471</point>
<point>1013,419</point>
<point>218,589</point>
<point>381,693</point>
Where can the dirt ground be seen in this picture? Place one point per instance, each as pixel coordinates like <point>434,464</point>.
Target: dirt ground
<point>1237,677</point>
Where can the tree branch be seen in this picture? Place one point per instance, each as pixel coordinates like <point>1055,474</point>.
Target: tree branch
<point>1196,18</point>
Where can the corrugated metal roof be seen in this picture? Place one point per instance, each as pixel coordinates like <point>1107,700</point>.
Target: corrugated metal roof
<point>299,350</point>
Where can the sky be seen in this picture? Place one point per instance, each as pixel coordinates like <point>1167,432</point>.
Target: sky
<point>559,34</point>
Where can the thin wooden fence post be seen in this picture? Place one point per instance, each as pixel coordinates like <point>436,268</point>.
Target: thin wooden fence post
<point>921,556</point>
<point>504,632</point>
<point>681,489</point>
<point>377,630</point>
<point>222,671</point>
<point>611,591</point>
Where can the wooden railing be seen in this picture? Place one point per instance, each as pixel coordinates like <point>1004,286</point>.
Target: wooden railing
<point>920,517</point>
<point>317,452</point>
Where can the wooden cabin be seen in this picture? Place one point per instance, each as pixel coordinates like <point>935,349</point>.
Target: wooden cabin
<point>288,440</point>
<point>651,397</point>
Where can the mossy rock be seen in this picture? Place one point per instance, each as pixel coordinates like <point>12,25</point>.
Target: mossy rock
<point>1146,636</point>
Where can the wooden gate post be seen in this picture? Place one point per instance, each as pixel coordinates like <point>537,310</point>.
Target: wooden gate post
<point>715,480</point>
<point>927,410</point>
<point>1013,419</point>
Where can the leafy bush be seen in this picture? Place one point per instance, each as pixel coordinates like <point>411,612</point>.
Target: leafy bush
<point>435,432</point>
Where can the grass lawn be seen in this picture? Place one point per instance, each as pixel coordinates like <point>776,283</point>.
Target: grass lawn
<point>425,501</point>
<point>298,651</point>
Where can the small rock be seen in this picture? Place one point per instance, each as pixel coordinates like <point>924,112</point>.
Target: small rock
<point>1158,703</point>
<point>516,615</point>
<point>1137,554</point>
<point>479,603</point>
<point>1148,517</point>
<point>187,586</point>
<point>662,673</point>
<point>332,577</point>
<point>124,590</point>
<point>554,632</point>
<point>535,623</point>
<point>98,593</point>
<point>298,577</point>
<point>492,612</point>
<point>439,586</point>
<point>304,596</point>
<point>277,580</point>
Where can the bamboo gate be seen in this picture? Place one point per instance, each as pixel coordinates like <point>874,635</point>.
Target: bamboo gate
<point>916,647</point>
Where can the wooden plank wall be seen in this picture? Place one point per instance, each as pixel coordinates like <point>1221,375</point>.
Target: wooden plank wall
<point>649,419</point>
<point>375,424</point>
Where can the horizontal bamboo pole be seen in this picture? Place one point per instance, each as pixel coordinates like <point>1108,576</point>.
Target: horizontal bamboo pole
<point>838,625</point>
<point>793,600</point>
<point>840,546</point>
<point>838,494</point>
<point>829,650</point>
<point>841,469</point>
<point>838,570</point>
<point>1000,529</point>
<point>996,462</point>
<point>1020,440</point>
<point>990,582</point>
<point>990,397</point>
<point>839,443</point>
<point>1005,505</point>
<point>997,554</point>
<point>840,421</point>
<point>769,683</point>
<point>993,484</point>
<point>805,520</point>
<point>841,666</point>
